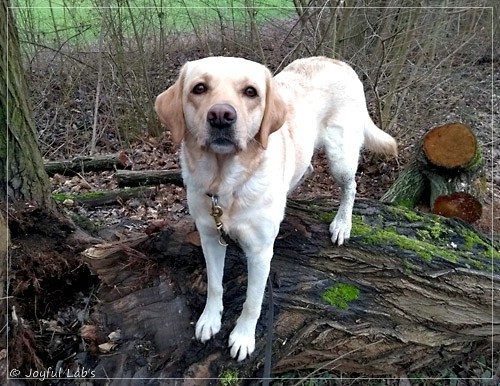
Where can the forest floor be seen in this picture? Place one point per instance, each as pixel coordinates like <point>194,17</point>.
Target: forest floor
<point>62,137</point>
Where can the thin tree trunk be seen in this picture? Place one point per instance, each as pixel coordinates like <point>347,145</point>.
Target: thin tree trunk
<point>97,99</point>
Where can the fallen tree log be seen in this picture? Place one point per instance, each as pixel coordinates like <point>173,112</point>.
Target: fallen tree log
<point>409,292</point>
<point>101,198</point>
<point>447,162</point>
<point>148,177</point>
<point>85,164</point>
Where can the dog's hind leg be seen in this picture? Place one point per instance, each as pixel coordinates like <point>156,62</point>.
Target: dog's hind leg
<point>342,147</point>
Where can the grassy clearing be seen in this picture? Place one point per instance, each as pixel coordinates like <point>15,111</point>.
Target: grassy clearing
<point>78,21</point>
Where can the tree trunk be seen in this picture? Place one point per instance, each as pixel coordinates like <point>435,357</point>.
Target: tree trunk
<point>26,206</point>
<point>408,188</point>
<point>409,292</point>
<point>22,173</point>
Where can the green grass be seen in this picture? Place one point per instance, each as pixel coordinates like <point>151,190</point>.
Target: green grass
<point>48,20</point>
<point>78,21</point>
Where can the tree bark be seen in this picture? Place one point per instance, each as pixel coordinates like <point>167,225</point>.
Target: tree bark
<point>4,247</point>
<point>22,173</point>
<point>27,187</point>
<point>408,188</point>
<point>409,292</point>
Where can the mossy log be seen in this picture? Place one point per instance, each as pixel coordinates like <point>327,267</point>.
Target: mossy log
<point>408,292</point>
<point>448,161</point>
<point>85,164</point>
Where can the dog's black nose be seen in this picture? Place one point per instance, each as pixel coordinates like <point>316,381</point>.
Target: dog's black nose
<point>221,115</point>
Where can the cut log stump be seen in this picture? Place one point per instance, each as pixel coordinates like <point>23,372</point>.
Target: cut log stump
<point>408,292</point>
<point>451,146</point>
<point>446,173</point>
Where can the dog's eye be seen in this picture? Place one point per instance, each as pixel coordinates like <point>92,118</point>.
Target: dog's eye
<point>200,88</point>
<point>250,92</point>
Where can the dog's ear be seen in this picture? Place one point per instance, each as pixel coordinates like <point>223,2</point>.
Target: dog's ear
<point>274,113</point>
<point>168,107</point>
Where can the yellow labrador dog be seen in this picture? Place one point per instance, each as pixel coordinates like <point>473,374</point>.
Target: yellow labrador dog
<point>247,140</point>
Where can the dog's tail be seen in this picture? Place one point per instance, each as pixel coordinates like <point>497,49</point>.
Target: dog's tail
<point>379,141</point>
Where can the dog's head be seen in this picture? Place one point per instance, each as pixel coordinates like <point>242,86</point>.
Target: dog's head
<point>224,103</point>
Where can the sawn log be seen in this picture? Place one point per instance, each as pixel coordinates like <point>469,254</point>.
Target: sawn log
<point>409,291</point>
<point>445,173</point>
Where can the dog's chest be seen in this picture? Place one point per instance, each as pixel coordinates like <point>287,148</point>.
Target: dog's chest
<point>238,212</point>
<point>251,198</point>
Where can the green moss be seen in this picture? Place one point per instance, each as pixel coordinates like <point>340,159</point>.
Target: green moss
<point>477,264</point>
<point>473,241</point>
<point>407,266</point>
<point>406,213</point>
<point>60,197</point>
<point>359,227</point>
<point>406,203</point>
<point>469,241</point>
<point>424,234</point>
<point>327,217</point>
<point>229,378</point>
<point>341,295</point>
<point>432,237</point>
<point>437,230</point>
<point>390,236</point>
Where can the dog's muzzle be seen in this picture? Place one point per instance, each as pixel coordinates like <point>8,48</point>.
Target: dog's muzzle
<point>221,119</point>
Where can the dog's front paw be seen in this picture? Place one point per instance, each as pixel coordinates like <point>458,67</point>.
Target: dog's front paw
<point>340,230</point>
<point>208,325</point>
<point>241,341</point>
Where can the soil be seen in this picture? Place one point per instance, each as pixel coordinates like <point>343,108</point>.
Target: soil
<point>55,311</point>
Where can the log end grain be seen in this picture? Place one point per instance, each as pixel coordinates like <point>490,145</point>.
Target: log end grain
<point>458,204</point>
<point>450,146</point>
